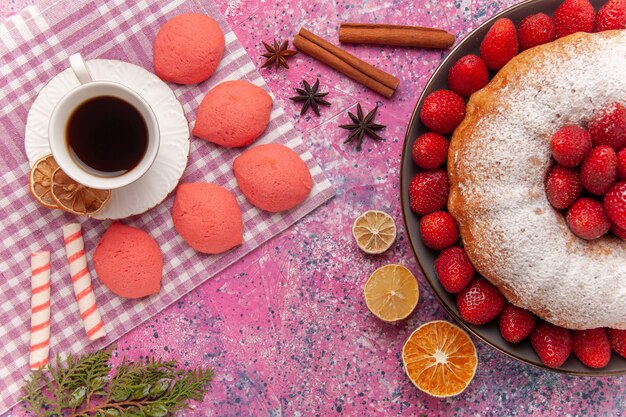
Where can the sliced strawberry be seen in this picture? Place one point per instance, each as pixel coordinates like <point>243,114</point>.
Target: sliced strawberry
<point>599,171</point>
<point>535,30</point>
<point>442,111</point>
<point>428,191</point>
<point>570,145</point>
<point>592,347</point>
<point>574,16</point>
<point>439,230</point>
<point>516,323</point>
<point>617,340</point>
<point>611,16</point>
<point>587,219</point>
<point>563,187</point>
<point>615,204</point>
<point>500,44</point>
<point>467,75</point>
<point>454,269</point>
<point>608,127</point>
<point>553,344</point>
<point>430,150</point>
<point>480,302</point>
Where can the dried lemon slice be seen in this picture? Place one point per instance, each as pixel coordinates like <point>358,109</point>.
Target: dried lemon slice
<point>76,198</point>
<point>374,231</point>
<point>40,181</point>
<point>391,292</point>
<point>440,359</point>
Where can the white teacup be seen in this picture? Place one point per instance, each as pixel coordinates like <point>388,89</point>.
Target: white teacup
<point>59,120</point>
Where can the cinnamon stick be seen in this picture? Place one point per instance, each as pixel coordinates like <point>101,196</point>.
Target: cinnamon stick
<point>349,65</point>
<point>379,34</point>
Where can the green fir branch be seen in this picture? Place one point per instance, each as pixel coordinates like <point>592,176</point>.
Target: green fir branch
<point>81,386</point>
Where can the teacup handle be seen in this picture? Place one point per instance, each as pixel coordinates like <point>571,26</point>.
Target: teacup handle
<point>77,63</point>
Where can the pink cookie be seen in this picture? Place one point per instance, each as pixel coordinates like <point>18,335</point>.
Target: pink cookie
<point>233,114</point>
<point>273,177</point>
<point>188,48</point>
<point>207,217</point>
<point>129,262</point>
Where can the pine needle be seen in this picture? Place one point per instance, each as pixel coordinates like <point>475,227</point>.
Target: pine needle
<point>81,386</point>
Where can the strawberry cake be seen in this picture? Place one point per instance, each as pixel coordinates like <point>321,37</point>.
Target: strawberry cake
<point>497,164</point>
<point>522,182</point>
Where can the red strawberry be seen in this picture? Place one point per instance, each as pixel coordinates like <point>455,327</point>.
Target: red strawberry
<point>439,230</point>
<point>611,16</point>
<point>617,340</point>
<point>534,30</point>
<point>454,269</point>
<point>574,16</point>
<point>621,165</point>
<point>570,145</point>
<point>608,127</point>
<point>563,187</point>
<point>618,231</point>
<point>500,44</point>
<point>442,111</point>
<point>480,302</point>
<point>615,204</point>
<point>429,191</point>
<point>599,171</point>
<point>553,344</point>
<point>587,219</point>
<point>516,323</point>
<point>592,347</point>
<point>430,150</point>
<point>467,75</point>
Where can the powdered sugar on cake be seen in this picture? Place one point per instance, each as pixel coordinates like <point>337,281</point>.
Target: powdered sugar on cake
<point>499,159</point>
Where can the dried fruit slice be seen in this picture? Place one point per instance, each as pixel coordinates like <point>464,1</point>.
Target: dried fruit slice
<point>374,231</point>
<point>440,359</point>
<point>391,292</point>
<point>40,181</point>
<point>76,198</point>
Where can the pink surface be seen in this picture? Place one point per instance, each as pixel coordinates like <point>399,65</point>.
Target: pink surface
<point>286,328</point>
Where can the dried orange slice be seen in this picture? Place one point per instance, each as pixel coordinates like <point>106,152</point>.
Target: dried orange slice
<point>40,181</point>
<point>391,292</point>
<point>374,231</point>
<point>440,359</point>
<point>76,198</point>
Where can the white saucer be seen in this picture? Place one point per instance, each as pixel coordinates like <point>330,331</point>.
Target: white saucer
<point>168,167</point>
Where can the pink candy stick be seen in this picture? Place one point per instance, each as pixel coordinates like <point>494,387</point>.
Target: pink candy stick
<point>40,310</point>
<point>75,250</point>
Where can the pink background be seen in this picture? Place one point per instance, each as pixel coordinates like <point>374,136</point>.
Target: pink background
<point>286,329</point>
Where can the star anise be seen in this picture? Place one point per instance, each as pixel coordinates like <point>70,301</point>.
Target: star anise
<point>362,125</point>
<point>310,97</point>
<point>277,55</point>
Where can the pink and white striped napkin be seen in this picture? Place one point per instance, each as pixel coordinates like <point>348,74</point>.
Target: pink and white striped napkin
<point>34,46</point>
